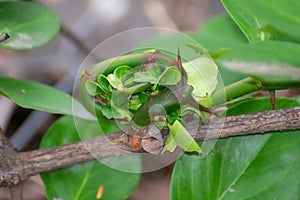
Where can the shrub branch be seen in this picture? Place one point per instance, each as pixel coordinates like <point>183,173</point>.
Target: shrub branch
<point>16,167</point>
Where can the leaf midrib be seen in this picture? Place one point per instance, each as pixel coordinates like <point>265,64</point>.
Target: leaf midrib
<point>83,183</point>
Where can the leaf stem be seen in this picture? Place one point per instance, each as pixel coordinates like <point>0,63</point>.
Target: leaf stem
<point>235,90</point>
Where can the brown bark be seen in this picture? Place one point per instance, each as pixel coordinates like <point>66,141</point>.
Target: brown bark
<point>16,167</point>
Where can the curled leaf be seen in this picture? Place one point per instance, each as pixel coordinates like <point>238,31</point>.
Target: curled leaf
<point>91,87</point>
<point>171,76</point>
<point>202,75</point>
<point>150,76</point>
<point>179,136</point>
<point>153,142</point>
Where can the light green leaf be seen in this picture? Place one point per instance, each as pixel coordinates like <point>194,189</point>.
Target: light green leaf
<point>181,137</point>
<point>116,79</point>
<point>29,25</point>
<point>91,87</point>
<point>37,96</point>
<point>171,76</point>
<point>121,71</point>
<point>149,76</point>
<point>202,75</point>
<point>104,83</point>
<point>170,144</point>
<point>247,167</point>
<point>260,20</point>
<point>82,181</point>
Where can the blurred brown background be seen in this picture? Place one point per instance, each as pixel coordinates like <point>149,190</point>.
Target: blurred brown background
<point>86,24</point>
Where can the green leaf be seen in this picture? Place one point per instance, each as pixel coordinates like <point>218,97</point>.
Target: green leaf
<point>181,137</point>
<point>274,63</point>
<point>298,98</point>
<point>202,75</point>
<point>221,32</point>
<point>149,76</point>
<point>82,181</point>
<point>121,71</point>
<point>246,167</point>
<point>104,83</point>
<point>171,76</point>
<point>32,95</point>
<point>120,106</point>
<point>137,88</point>
<point>116,78</point>
<point>29,25</point>
<point>260,20</point>
<point>166,44</point>
<point>260,104</point>
<point>170,144</point>
<point>91,87</point>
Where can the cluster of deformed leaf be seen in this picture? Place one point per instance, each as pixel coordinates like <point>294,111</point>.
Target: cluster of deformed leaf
<point>155,92</point>
<point>124,91</point>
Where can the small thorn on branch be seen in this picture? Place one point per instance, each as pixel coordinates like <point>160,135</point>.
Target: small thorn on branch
<point>4,37</point>
<point>179,63</point>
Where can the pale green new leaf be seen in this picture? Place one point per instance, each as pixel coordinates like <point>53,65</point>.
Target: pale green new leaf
<point>202,75</point>
<point>179,136</point>
<point>171,76</point>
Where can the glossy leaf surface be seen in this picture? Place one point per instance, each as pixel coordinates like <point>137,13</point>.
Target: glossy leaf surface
<point>33,95</point>
<point>180,137</point>
<point>28,25</point>
<point>249,167</point>
<point>261,20</point>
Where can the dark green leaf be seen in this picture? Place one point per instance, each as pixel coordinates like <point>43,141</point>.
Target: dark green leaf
<point>221,32</point>
<point>260,20</point>
<point>274,63</point>
<point>260,104</point>
<point>120,106</point>
<point>108,113</point>
<point>37,96</point>
<point>82,181</point>
<point>29,25</point>
<point>248,167</point>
